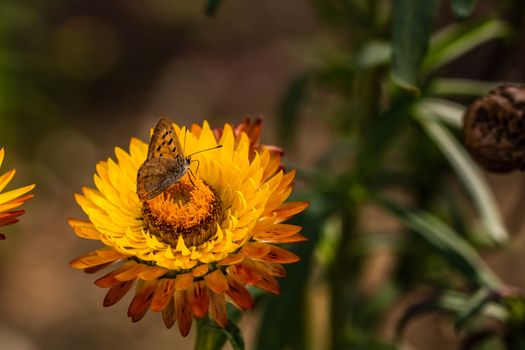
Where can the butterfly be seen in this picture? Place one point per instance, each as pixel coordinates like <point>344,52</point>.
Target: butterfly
<point>165,164</point>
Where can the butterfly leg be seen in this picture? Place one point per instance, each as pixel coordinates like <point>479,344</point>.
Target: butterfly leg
<point>190,174</point>
<point>198,164</point>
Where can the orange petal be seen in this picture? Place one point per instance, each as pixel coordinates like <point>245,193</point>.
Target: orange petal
<point>196,130</point>
<point>287,178</point>
<point>183,281</point>
<point>168,314</point>
<point>109,280</point>
<point>200,270</point>
<point>198,299</point>
<point>183,312</point>
<point>97,268</point>
<point>23,198</point>
<point>245,272</point>
<point>231,259</point>
<point>267,282</point>
<point>10,215</point>
<point>93,258</point>
<point>131,273</point>
<point>279,255</point>
<point>292,239</point>
<point>289,209</point>
<point>238,294</point>
<point>151,273</point>
<point>142,300</point>
<point>274,233</point>
<point>274,269</point>
<point>273,165</point>
<point>84,229</point>
<point>216,281</point>
<point>218,309</point>
<point>116,293</point>
<point>163,294</point>
<point>276,199</point>
<point>255,249</point>
<point>8,221</point>
<point>253,131</point>
<point>110,253</point>
<point>6,178</point>
<point>139,317</point>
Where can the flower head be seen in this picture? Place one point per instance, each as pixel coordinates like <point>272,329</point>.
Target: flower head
<point>12,199</point>
<point>206,237</point>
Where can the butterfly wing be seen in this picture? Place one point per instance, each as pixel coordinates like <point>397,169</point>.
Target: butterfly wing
<point>165,164</point>
<point>157,174</point>
<point>164,142</point>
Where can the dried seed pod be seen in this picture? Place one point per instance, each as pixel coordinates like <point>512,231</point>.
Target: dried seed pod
<point>494,129</point>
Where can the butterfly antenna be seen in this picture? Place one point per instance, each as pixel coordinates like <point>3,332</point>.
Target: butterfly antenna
<point>204,150</point>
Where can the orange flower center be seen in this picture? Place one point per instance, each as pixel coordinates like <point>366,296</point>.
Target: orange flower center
<point>190,209</point>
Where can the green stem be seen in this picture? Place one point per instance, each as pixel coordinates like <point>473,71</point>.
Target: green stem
<point>209,337</point>
<point>342,285</point>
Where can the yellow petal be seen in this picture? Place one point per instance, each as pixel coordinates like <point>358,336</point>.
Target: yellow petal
<point>7,196</point>
<point>6,178</point>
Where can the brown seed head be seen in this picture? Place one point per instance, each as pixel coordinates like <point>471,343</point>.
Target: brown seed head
<point>494,129</point>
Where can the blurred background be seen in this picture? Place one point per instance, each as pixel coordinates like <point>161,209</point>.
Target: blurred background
<point>79,78</point>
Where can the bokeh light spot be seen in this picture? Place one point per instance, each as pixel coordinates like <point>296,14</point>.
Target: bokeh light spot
<point>86,48</point>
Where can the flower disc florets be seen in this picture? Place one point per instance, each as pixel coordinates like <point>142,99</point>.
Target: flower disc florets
<point>188,209</point>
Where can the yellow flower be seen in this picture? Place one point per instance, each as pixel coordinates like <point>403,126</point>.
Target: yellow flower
<point>203,240</point>
<point>12,199</point>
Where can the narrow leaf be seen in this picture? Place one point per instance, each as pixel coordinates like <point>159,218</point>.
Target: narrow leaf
<point>446,111</point>
<point>412,25</point>
<point>451,302</point>
<point>474,306</point>
<point>457,39</point>
<point>460,87</point>
<point>469,174</point>
<point>458,252</point>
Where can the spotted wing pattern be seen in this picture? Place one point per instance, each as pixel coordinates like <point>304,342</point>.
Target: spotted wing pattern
<point>165,164</point>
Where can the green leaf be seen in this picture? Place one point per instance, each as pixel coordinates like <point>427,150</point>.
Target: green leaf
<point>473,306</point>
<point>452,302</point>
<point>446,111</point>
<point>374,53</point>
<point>212,337</point>
<point>457,39</point>
<point>463,8</point>
<point>453,248</point>
<point>412,25</point>
<point>234,336</point>
<point>460,87</point>
<point>468,172</point>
